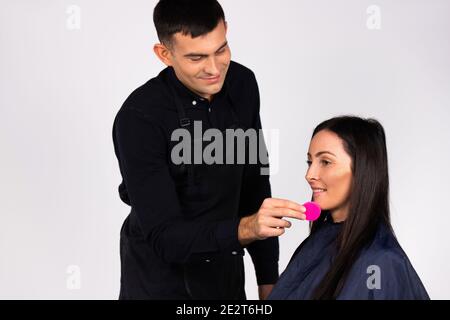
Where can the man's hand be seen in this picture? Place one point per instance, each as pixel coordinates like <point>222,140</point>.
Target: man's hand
<point>264,291</point>
<point>268,221</point>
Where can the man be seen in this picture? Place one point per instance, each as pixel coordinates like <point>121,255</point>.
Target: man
<point>189,222</point>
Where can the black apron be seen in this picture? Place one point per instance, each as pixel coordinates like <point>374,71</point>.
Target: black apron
<point>220,275</point>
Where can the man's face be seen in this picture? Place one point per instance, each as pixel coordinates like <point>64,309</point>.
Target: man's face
<point>201,63</point>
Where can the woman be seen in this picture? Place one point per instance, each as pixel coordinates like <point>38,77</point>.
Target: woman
<point>351,252</point>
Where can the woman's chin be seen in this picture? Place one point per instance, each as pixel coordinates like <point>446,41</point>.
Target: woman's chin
<point>322,204</point>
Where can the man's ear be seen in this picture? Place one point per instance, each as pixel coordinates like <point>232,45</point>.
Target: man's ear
<point>163,54</point>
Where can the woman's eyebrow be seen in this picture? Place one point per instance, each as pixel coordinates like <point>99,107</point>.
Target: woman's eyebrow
<point>318,154</point>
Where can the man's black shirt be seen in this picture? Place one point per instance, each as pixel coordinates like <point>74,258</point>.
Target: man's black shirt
<point>180,239</point>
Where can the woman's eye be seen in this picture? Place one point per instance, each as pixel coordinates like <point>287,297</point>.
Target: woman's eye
<point>325,162</point>
<point>309,162</point>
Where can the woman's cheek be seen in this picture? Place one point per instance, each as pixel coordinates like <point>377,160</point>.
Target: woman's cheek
<point>344,185</point>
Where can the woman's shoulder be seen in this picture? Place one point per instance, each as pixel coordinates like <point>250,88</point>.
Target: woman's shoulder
<point>384,271</point>
<point>385,247</point>
<point>386,255</point>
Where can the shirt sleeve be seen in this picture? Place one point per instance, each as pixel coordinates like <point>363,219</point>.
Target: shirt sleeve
<point>256,188</point>
<point>141,148</point>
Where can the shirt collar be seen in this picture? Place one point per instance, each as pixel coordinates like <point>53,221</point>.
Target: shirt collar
<point>185,93</point>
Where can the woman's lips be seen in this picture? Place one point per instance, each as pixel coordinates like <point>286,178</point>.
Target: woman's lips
<point>317,192</point>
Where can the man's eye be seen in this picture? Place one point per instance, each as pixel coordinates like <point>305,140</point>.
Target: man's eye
<point>220,51</point>
<point>309,162</point>
<point>195,58</point>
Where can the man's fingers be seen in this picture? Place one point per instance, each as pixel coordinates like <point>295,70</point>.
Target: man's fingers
<point>284,212</point>
<point>283,203</point>
<point>277,232</point>
<point>278,223</point>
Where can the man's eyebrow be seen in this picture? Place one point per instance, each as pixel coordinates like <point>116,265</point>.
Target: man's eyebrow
<point>193,54</point>
<point>222,46</point>
<point>318,154</point>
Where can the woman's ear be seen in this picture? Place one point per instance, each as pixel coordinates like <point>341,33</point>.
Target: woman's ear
<point>163,54</point>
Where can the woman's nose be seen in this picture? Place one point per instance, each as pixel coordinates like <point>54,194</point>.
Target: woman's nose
<point>312,173</point>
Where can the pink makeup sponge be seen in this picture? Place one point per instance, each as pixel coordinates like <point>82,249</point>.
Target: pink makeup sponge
<point>312,211</point>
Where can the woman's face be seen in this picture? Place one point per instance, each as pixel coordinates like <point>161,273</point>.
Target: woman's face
<point>329,173</point>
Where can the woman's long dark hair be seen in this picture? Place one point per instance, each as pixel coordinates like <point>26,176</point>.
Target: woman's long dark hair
<point>365,142</point>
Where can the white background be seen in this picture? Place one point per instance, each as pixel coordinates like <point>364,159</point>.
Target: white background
<point>60,89</point>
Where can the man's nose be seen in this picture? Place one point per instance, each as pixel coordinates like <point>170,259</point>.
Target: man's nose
<point>211,66</point>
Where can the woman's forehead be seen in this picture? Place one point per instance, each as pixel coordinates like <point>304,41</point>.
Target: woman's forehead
<point>326,140</point>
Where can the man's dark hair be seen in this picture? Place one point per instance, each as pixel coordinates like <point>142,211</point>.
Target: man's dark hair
<point>190,17</point>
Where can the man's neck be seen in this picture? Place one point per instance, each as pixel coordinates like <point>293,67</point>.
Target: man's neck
<point>208,97</point>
